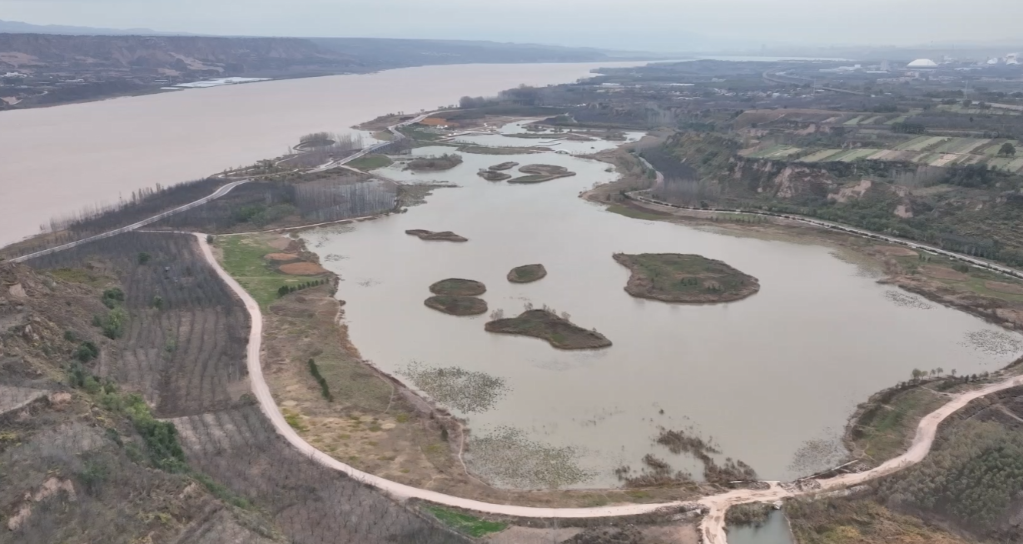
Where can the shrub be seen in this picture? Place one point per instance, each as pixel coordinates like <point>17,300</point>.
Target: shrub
<point>158,302</point>
<point>144,257</point>
<point>86,352</point>
<point>324,388</point>
<point>112,296</point>
<point>113,323</point>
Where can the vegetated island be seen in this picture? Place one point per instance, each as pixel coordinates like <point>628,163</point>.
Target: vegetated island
<point>429,235</point>
<point>527,273</point>
<point>458,287</point>
<point>693,279</point>
<point>491,175</point>
<point>460,306</point>
<point>539,173</point>
<point>434,164</point>
<point>495,173</point>
<point>547,325</point>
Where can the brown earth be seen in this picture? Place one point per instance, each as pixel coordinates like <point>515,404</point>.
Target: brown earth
<point>943,273</point>
<point>281,257</point>
<point>1002,287</point>
<point>302,269</point>
<point>897,251</point>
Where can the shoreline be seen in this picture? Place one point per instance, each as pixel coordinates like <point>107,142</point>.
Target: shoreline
<point>715,504</point>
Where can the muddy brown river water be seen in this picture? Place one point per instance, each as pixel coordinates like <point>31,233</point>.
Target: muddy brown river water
<point>763,377</point>
<point>55,161</point>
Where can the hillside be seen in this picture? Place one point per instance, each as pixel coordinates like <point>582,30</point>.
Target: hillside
<point>126,414</point>
<point>48,69</point>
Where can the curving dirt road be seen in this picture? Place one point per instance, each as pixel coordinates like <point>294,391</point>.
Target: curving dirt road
<point>713,525</point>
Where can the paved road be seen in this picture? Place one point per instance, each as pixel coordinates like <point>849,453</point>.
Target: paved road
<point>135,226</point>
<point>639,196</point>
<point>393,129</point>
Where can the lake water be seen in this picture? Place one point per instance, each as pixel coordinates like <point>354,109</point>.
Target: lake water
<point>58,160</point>
<point>763,377</point>
<point>775,531</point>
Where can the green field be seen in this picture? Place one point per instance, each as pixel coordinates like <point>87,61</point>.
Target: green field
<point>821,155</point>
<point>775,152</point>
<point>243,258</point>
<point>466,524</point>
<point>858,154</point>
<point>920,143</point>
<point>899,119</point>
<point>371,162</point>
<point>853,121</point>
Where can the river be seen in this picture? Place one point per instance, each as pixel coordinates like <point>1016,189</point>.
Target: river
<point>764,377</point>
<point>59,160</point>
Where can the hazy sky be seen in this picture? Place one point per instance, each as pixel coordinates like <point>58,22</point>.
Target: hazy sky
<point>632,24</point>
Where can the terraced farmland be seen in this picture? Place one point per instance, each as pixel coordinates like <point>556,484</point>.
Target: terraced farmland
<point>774,152</point>
<point>182,345</point>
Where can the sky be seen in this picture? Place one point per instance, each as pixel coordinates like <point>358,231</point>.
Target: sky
<point>654,25</point>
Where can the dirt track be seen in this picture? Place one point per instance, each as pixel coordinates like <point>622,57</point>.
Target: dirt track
<point>713,526</point>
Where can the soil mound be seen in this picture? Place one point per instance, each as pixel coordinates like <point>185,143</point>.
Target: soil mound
<point>281,257</point>
<point>302,269</point>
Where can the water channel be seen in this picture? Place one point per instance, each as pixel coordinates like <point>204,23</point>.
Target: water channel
<point>769,378</point>
<point>61,159</point>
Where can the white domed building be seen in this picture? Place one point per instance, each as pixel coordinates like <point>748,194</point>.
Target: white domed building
<point>922,63</point>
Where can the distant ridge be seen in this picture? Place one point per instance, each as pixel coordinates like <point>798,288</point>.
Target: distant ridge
<point>17,27</point>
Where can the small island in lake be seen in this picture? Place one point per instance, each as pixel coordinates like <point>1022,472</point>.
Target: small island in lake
<point>492,175</point>
<point>527,273</point>
<point>460,306</point>
<point>458,287</point>
<point>547,325</point>
<point>446,236</point>
<point>434,164</point>
<point>504,166</point>
<point>693,279</point>
<point>539,173</point>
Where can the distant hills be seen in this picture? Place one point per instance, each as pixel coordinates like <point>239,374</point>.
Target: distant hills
<point>16,27</point>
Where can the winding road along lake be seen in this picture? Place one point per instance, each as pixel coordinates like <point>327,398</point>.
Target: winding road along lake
<point>59,160</point>
<point>762,376</point>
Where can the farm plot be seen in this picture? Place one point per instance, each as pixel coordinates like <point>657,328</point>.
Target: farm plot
<point>774,152</point>
<point>995,146</point>
<point>877,119</point>
<point>183,332</point>
<point>310,504</point>
<point>854,121</point>
<point>1001,163</point>
<point>821,155</point>
<point>855,154</point>
<point>899,119</point>
<point>920,143</point>
<point>959,145</point>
